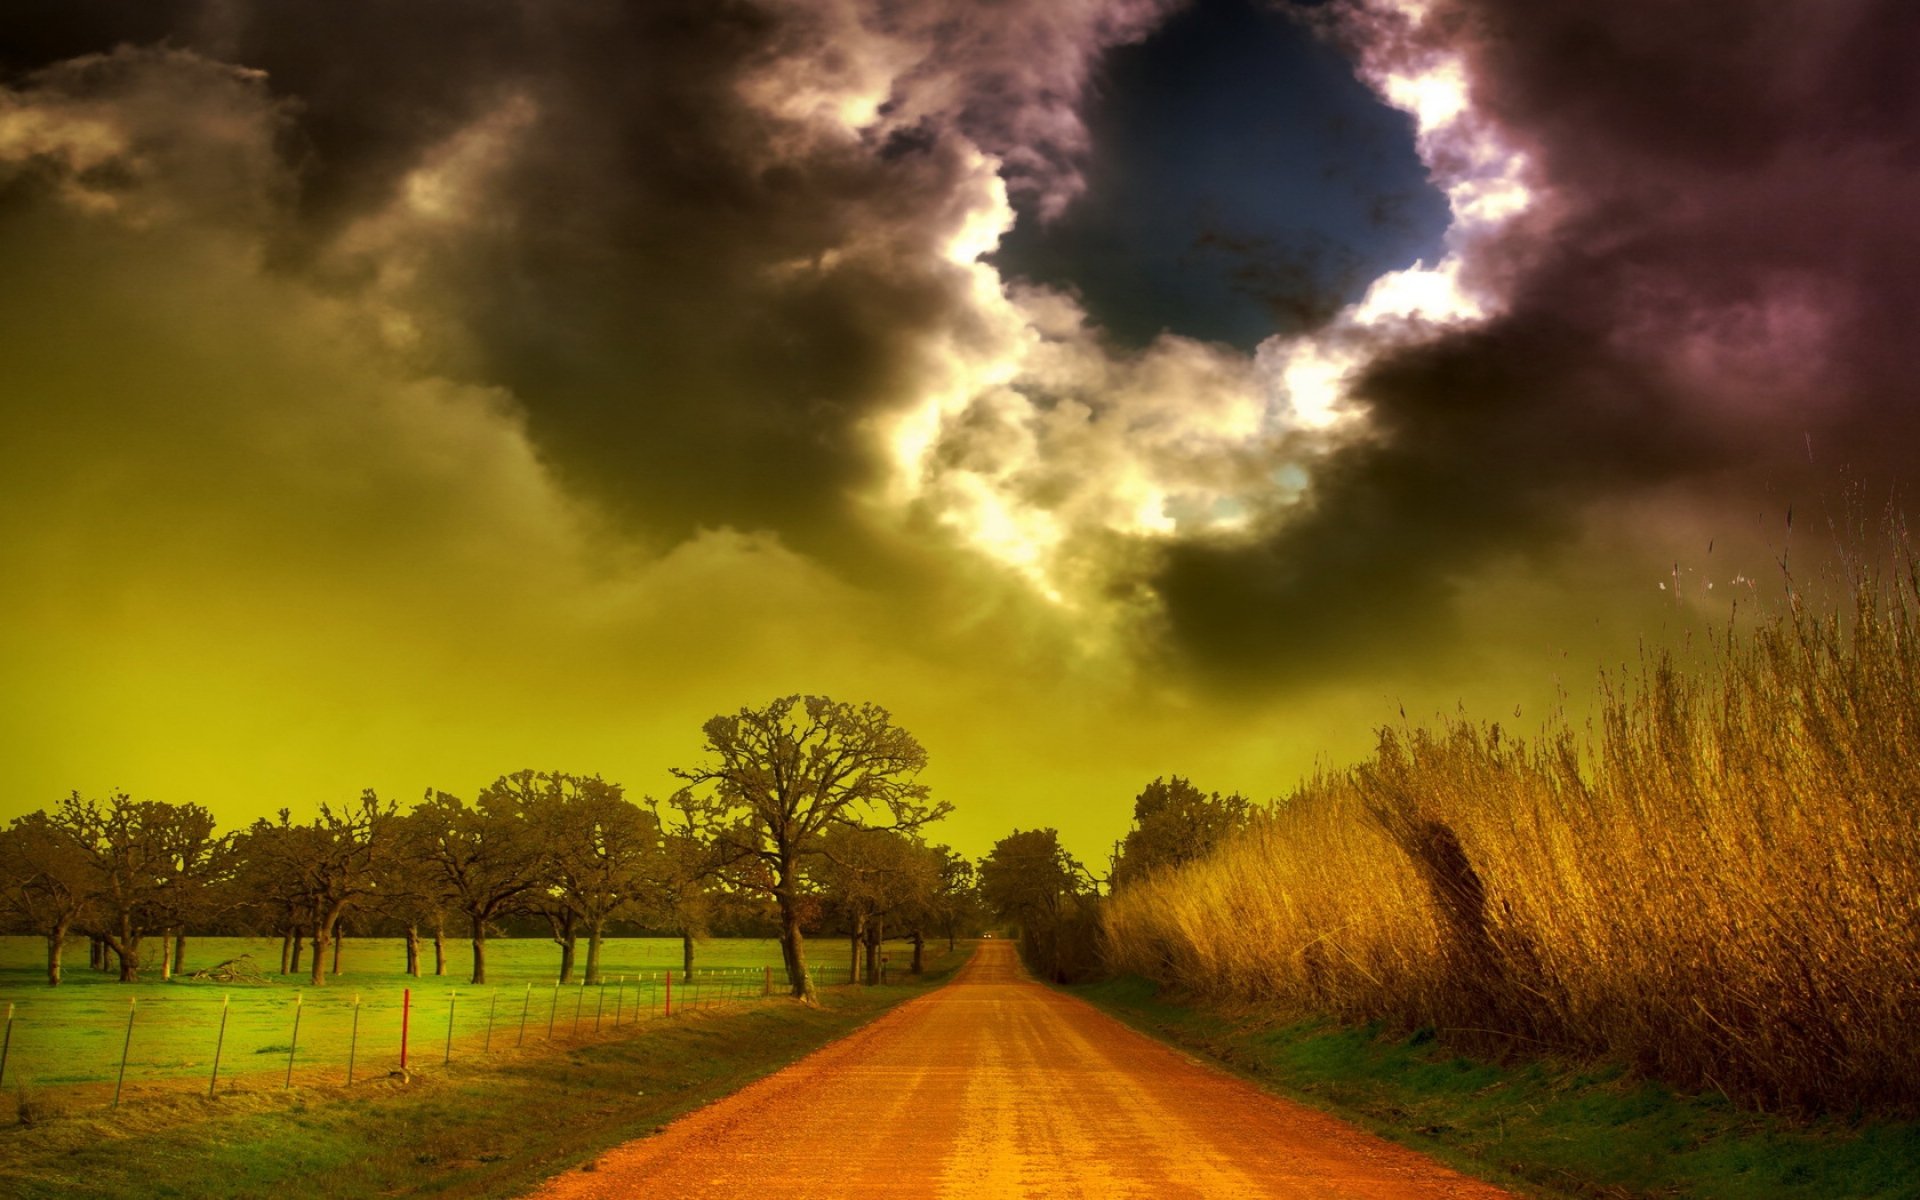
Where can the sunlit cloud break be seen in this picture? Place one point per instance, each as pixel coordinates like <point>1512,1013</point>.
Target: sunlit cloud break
<point>1044,448</point>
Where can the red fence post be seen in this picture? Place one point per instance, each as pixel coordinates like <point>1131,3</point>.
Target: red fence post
<point>669,1005</point>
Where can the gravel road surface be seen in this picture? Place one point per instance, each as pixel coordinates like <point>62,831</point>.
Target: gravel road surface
<point>995,1088</point>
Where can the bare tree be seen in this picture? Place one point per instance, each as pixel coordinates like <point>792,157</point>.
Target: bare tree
<point>337,861</point>
<point>484,858</point>
<point>136,851</point>
<point>45,882</point>
<point>778,777</point>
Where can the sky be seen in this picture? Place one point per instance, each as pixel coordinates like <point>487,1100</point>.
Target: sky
<point>398,393</point>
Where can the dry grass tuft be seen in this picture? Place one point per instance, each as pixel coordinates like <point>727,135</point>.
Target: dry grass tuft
<point>1719,885</point>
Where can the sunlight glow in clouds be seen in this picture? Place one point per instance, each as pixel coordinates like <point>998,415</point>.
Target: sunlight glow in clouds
<point>1042,444</point>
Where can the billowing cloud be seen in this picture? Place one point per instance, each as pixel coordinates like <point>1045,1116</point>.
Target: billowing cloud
<point>499,373</point>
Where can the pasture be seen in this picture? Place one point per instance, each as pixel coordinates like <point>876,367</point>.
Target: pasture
<point>73,1037</point>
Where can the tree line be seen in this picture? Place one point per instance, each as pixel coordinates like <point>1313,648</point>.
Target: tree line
<point>806,808</point>
<point>1030,880</point>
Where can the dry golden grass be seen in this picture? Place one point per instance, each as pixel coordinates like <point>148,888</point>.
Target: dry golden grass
<point>1720,884</point>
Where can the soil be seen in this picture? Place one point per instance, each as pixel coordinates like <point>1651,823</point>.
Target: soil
<point>994,1088</point>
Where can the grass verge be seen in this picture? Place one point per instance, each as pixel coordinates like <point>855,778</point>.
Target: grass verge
<point>1553,1130</point>
<point>472,1131</point>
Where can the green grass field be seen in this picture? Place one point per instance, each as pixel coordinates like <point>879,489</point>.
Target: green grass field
<point>478,1129</point>
<point>73,1036</point>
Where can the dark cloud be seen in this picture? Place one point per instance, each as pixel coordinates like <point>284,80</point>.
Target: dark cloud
<point>1723,270</point>
<point>700,298</point>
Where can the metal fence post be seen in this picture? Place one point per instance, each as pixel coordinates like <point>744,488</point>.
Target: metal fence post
<point>124,1048</point>
<point>219,1044</point>
<point>293,1047</point>
<point>353,1042</point>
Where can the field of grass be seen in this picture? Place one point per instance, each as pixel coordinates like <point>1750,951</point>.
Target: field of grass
<point>1717,885</point>
<point>1556,1129</point>
<point>74,1035</point>
<point>476,1128</point>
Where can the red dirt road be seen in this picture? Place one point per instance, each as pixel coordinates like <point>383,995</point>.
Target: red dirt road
<point>995,1088</point>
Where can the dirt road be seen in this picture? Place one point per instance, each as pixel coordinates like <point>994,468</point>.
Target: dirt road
<point>995,1088</point>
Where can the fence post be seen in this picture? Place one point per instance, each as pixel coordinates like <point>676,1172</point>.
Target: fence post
<point>669,1007</point>
<point>293,1047</point>
<point>766,989</point>
<point>619,997</point>
<point>553,1009</point>
<point>406,1014</point>
<point>600,1006</point>
<point>486,1047</point>
<point>578,1001</point>
<point>353,1043</point>
<point>219,1043</point>
<point>124,1048</point>
<point>7,1045</point>
<point>453,998</point>
<point>524,1006</point>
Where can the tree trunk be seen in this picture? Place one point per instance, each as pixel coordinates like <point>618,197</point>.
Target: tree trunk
<point>594,937</point>
<point>56,944</point>
<point>413,951</point>
<point>180,952</point>
<point>563,936</point>
<point>299,939</point>
<point>919,952</point>
<point>480,951</point>
<point>166,955</point>
<point>859,937</point>
<point>321,937</point>
<point>127,950</point>
<point>339,940</point>
<point>96,953</point>
<point>873,953</point>
<point>686,950</point>
<point>286,949</point>
<point>439,950</point>
<point>792,947</point>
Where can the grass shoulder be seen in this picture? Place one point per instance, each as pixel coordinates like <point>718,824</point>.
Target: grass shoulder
<point>1551,1129</point>
<point>481,1130</point>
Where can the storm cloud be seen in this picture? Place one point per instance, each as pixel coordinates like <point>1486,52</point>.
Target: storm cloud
<point>547,347</point>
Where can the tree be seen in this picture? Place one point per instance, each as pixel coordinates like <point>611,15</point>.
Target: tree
<point>336,862</point>
<point>601,850</point>
<point>777,778</point>
<point>1175,823</point>
<point>268,882</point>
<point>956,898</point>
<point>46,882</point>
<point>870,876</point>
<point>483,858</point>
<point>1029,878</point>
<point>193,861</point>
<point>140,855</point>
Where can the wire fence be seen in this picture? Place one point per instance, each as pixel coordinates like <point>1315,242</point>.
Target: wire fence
<point>336,1036</point>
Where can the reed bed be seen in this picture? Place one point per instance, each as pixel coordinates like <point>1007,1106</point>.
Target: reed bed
<point>1718,883</point>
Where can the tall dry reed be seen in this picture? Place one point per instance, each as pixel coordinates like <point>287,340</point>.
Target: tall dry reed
<point>1719,884</point>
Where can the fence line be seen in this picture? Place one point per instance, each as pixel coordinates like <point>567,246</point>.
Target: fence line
<point>159,1039</point>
